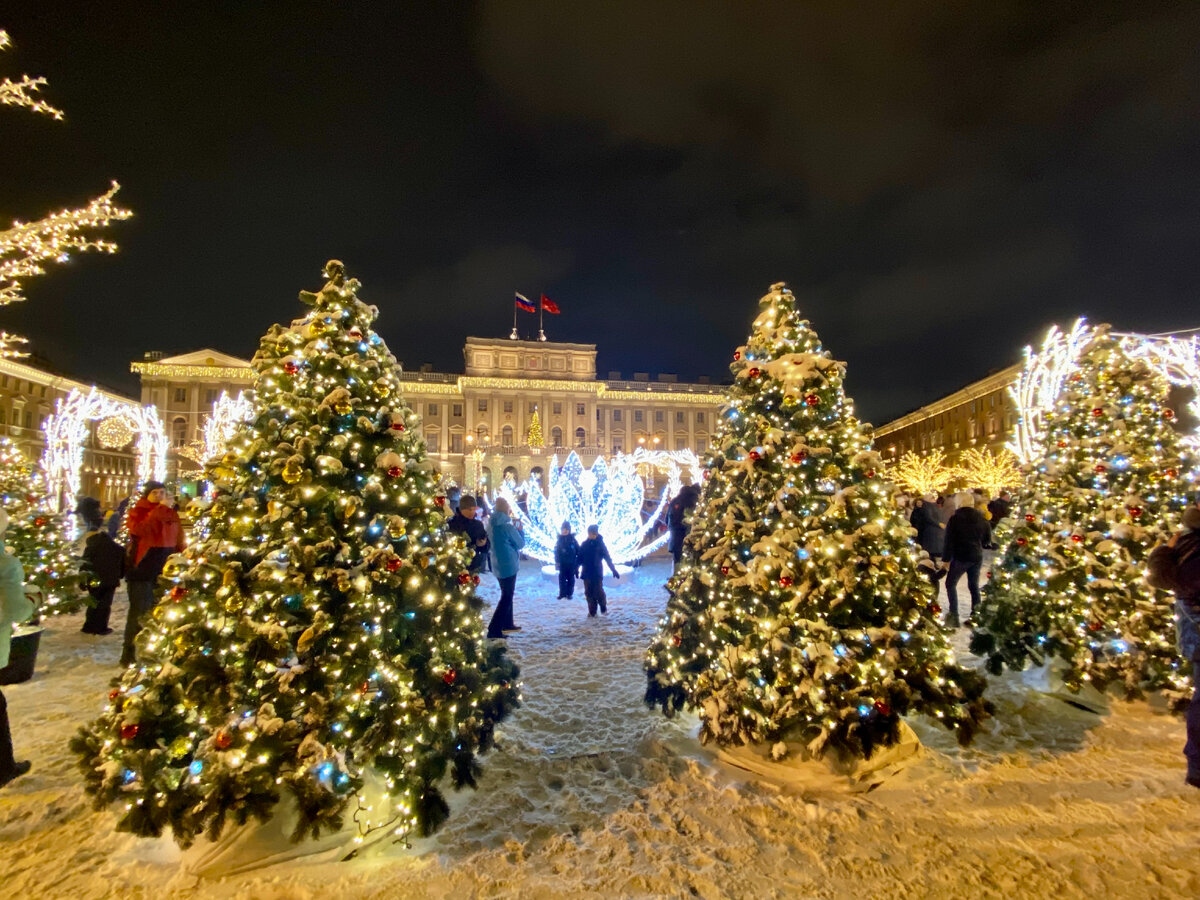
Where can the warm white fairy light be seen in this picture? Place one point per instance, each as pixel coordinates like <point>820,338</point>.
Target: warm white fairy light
<point>115,432</point>
<point>994,472</point>
<point>923,474</point>
<point>227,413</point>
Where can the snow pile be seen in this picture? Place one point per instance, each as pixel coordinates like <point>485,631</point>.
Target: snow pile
<point>591,795</point>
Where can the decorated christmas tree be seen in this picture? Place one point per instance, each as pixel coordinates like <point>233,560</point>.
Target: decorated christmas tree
<point>797,613</point>
<point>36,536</point>
<point>1109,487</point>
<point>535,431</point>
<point>326,636</point>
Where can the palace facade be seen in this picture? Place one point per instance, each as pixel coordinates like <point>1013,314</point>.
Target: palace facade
<point>477,425</point>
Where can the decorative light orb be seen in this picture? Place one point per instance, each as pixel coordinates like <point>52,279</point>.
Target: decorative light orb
<point>114,432</point>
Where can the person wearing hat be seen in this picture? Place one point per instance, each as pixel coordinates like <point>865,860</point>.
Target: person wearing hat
<point>473,531</point>
<point>15,607</point>
<point>103,567</point>
<point>155,533</point>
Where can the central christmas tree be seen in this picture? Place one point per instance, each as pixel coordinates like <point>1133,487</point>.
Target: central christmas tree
<point>798,613</point>
<point>326,633</point>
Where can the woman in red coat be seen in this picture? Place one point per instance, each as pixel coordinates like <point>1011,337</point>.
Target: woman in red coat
<point>155,533</point>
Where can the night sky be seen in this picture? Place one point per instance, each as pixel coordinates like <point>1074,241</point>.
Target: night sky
<point>936,185</point>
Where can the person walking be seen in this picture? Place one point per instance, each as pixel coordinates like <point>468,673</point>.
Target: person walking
<point>506,541</point>
<point>155,533</point>
<point>1000,508</point>
<point>566,557</point>
<point>15,607</point>
<point>464,522</point>
<point>1175,566</point>
<point>677,510</point>
<point>926,518</point>
<point>103,567</point>
<point>593,553</point>
<point>967,533</point>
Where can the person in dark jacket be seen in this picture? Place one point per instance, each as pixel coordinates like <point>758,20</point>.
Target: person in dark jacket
<point>926,518</point>
<point>966,534</point>
<point>1000,508</point>
<point>103,567</point>
<point>1175,566</point>
<point>464,522</point>
<point>113,523</point>
<point>155,533</point>
<point>566,557</point>
<point>677,510</point>
<point>593,553</point>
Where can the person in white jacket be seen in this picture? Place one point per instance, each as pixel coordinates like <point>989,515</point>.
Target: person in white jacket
<point>15,607</point>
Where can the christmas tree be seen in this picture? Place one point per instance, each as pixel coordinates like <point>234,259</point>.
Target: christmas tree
<point>798,613</point>
<point>36,536</point>
<point>326,633</point>
<point>535,431</point>
<point>1109,487</point>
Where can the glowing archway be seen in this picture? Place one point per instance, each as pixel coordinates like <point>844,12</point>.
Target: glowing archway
<point>66,430</point>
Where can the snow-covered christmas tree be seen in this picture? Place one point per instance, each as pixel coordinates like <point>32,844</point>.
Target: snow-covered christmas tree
<point>326,634</point>
<point>797,613</point>
<point>1110,486</point>
<point>37,536</point>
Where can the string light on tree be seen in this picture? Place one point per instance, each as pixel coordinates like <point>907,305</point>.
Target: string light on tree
<point>322,635</point>
<point>993,472</point>
<point>797,616</point>
<point>536,439</point>
<point>927,474</point>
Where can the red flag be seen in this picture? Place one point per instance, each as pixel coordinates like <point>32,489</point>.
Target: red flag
<point>550,306</point>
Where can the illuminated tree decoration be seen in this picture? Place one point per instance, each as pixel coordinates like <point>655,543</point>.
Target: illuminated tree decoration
<point>66,431</point>
<point>326,629</point>
<point>1112,484</point>
<point>610,494</point>
<point>26,247</point>
<point>535,431</point>
<point>922,475</point>
<point>797,614</point>
<point>115,432</point>
<point>37,536</point>
<point>994,472</point>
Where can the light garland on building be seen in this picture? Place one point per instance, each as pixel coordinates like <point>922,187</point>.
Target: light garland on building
<point>610,494</point>
<point>66,432</point>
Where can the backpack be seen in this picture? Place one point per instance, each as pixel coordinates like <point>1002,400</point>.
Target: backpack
<point>1162,568</point>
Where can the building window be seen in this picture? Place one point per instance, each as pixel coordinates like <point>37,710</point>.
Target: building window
<point>557,407</point>
<point>210,397</point>
<point>4,381</point>
<point>616,415</point>
<point>556,437</point>
<point>43,391</point>
<point>506,436</point>
<point>179,432</point>
<point>431,441</point>
<point>181,395</point>
<point>618,445</point>
<point>508,406</point>
<point>580,437</point>
<point>680,443</point>
<point>699,418</point>
<point>456,442</point>
<point>456,410</point>
<point>701,445</point>
<point>482,406</point>
<point>679,418</point>
<point>658,416</point>
<point>637,415</point>
<point>579,410</point>
<point>431,410</point>
<point>1,416</point>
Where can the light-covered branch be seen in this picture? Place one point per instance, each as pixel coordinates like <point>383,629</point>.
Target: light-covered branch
<point>24,92</point>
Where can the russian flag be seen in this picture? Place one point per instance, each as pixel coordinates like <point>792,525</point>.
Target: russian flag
<point>525,303</point>
<point>549,305</point>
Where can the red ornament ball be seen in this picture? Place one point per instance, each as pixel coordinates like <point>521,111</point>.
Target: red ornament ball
<point>883,708</point>
<point>290,367</point>
<point>393,565</point>
<point>936,609</point>
<point>364,687</point>
<point>223,740</point>
<point>129,732</point>
<point>812,399</point>
<point>1095,626</point>
<point>1029,517</point>
<point>1168,414</point>
<point>1076,377</point>
<point>676,640</point>
<point>1021,542</point>
<point>785,580</point>
<point>1135,511</point>
<point>1061,444</point>
<point>870,473</point>
<point>475,579</point>
<point>449,676</point>
<point>39,521</point>
<point>724,570</point>
<point>395,471</point>
<point>114,693</point>
<point>439,501</point>
<point>1097,412</point>
<point>799,456</point>
<point>1077,538</point>
<point>178,593</point>
<point>464,577</point>
<point>1101,469</point>
<point>1171,473</point>
<point>755,455</point>
<point>753,373</point>
<point>737,354</point>
<point>397,426</point>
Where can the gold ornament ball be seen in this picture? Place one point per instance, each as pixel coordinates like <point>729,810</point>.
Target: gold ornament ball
<point>831,471</point>
<point>343,407</point>
<point>380,388</point>
<point>180,746</point>
<point>292,472</point>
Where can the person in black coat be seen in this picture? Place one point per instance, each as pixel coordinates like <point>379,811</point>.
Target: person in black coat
<point>464,522</point>
<point>593,553</point>
<point>967,533</point>
<point>677,511</point>
<point>926,518</point>
<point>566,557</point>
<point>103,569</point>
<point>999,508</point>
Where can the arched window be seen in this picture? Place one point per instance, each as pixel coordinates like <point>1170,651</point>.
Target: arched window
<point>506,436</point>
<point>179,432</point>
<point>580,437</point>
<point>556,437</point>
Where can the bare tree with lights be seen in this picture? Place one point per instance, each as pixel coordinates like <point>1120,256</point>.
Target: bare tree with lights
<point>326,634</point>
<point>27,247</point>
<point>797,613</point>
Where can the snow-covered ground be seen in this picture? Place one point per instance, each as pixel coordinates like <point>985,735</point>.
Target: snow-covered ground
<point>589,794</point>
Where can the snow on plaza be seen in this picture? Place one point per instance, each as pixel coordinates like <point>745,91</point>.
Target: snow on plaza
<point>590,794</point>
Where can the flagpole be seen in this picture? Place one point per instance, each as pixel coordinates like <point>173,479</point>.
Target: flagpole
<point>541,315</point>
<point>514,336</point>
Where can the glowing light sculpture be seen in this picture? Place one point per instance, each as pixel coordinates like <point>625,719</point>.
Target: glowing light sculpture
<point>227,414</point>
<point>994,472</point>
<point>610,494</point>
<point>926,474</point>
<point>66,430</point>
